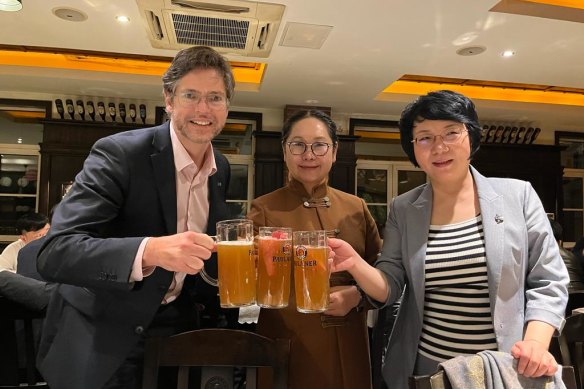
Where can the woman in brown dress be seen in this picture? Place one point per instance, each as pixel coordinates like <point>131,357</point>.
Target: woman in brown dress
<point>328,350</point>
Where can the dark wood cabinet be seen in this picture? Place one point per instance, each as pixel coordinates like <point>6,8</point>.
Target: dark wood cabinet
<point>538,164</point>
<point>342,175</point>
<point>269,162</point>
<point>65,145</point>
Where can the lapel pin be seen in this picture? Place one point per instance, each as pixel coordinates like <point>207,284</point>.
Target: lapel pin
<point>498,219</point>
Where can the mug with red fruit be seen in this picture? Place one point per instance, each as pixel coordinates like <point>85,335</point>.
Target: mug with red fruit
<point>274,266</point>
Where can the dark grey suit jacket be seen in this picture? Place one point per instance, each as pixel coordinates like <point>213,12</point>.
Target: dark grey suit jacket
<point>125,192</point>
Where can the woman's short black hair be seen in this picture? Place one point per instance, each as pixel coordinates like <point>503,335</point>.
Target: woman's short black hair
<point>439,105</point>
<point>313,113</point>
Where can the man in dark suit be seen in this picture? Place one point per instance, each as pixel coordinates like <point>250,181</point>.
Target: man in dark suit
<point>130,236</point>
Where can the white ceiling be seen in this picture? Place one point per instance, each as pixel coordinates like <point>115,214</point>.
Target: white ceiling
<point>372,43</point>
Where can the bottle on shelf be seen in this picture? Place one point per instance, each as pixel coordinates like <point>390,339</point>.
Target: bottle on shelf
<point>506,134</point>
<point>91,110</point>
<point>70,108</point>
<point>60,108</point>
<point>528,134</point>
<point>520,135</point>
<point>80,109</point>
<point>143,113</point>
<point>101,110</point>
<point>513,135</point>
<point>484,132</point>
<point>112,111</point>
<point>491,134</point>
<point>534,135</point>
<point>133,112</point>
<point>122,110</point>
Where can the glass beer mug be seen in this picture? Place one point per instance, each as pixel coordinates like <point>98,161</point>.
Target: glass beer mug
<point>274,266</point>
<point>311,271</point>
<point>236,264</point>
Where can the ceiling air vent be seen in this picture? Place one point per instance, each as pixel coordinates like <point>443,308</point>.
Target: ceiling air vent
<point>237,27</point>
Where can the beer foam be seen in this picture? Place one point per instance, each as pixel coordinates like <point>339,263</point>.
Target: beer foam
<point>234,243</point>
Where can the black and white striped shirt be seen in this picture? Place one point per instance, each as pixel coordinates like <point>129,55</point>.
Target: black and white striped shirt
<point>457,314</point>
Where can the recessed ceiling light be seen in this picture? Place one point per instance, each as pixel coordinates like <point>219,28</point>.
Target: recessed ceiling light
<point>122,19</point>
<point>471,50</point>
<point>69,14</point>
<point>10,5</point>
<point>508,53</point>
<point>311,101</point>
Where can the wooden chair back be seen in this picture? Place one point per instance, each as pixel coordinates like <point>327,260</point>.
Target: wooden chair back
<point>575,300</point>
<point>571,342</point>
<point>215,347</point>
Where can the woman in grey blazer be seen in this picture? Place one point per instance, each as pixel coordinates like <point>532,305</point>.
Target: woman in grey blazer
<point>475,257</point>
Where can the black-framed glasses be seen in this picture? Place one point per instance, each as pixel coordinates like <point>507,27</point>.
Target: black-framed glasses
<point>318,148</point>
<point>450,136</point>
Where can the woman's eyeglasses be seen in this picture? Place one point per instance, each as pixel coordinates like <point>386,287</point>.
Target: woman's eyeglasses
<point>448,137</point>
<point>318,148</point>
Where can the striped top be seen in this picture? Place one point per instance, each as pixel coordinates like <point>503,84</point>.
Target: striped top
<point>457,314</point>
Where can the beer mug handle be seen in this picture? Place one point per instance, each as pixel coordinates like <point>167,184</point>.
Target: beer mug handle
<point>206,277</point>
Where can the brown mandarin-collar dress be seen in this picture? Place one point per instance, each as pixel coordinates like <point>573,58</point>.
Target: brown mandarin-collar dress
<point>326,351</point>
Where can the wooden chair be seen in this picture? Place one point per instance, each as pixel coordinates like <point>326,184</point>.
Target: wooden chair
<point>9,372</point>
<point>575,300</point>
<point>216,347</point>
<point>439,380</point>
<point>571,342</point>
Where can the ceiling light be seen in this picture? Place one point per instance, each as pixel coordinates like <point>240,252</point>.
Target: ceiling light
<point>10,5</point>
<point>508,53</point>
<point>69,14</point>
<point>471,50</point>
<point>122,19</point>
<point>311,101</point>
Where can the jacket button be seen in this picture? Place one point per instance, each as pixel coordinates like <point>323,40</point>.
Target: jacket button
<point>139,330</point>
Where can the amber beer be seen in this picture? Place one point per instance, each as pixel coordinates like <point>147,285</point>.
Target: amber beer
<point>237,273</point>
<point>274,267</point>
<point>236,263</point>
<point>311,271</point>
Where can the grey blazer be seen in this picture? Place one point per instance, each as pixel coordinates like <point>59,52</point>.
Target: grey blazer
<point>527,277</point>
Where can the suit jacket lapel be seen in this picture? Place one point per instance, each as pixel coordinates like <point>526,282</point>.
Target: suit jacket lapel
<point>165,175</point>
<point>493,215</point>
<point>418,222</point>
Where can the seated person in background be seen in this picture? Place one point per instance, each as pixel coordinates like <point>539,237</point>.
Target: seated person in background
<point>27,287</point>
<point>476,255</point>
<point>31,226</point>
<point>27,256</point>
<point>574,267</point>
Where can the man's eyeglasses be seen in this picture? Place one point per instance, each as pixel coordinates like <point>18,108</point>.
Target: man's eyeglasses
<point>213,100</point>
<point>449,136</point>
<point>318,148</point>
